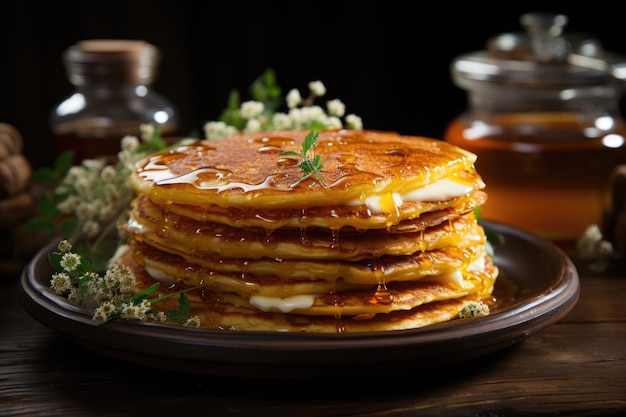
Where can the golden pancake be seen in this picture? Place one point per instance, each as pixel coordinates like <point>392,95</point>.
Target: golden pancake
<point>386,238</point>
<point>158,257</point>
<point>396,306</point>
<point>414,216</point>
<point>148,222</point>
<point>373,169</point>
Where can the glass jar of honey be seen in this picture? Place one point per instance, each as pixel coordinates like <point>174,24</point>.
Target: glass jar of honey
<point>113,97</point>
<point>544,119</point>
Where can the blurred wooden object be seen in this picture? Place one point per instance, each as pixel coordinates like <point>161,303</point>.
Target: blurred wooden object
<point>614,227</point>
<point>17,203</point>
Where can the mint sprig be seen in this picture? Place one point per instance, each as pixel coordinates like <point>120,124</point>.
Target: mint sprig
<point>310,163</point>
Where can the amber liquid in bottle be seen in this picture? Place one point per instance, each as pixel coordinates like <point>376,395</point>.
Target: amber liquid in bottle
<point>95,138</point>
<point>545,172</point>
<point>113,97</point>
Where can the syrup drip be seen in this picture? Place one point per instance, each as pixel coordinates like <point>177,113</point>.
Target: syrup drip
<point>398,152</point>
<point>163,228</point>
<point>304,239</point>
<point>286,162</point>
<point>269,149</point>
<point>383,295</point>
<point>334,242</point>
<point>337,303</point>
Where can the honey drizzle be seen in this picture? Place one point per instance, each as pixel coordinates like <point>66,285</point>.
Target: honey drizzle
<point>157,169</point>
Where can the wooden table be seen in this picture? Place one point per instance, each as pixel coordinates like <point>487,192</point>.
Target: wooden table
<point>574,367</point>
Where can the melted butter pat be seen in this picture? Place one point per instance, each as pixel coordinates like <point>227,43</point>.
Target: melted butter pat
<point>136,227</point>
<point>455,278</point>
<point>283,304</point>
<point>387,203</point>
<point>158,275</point>
<point>442,189</point>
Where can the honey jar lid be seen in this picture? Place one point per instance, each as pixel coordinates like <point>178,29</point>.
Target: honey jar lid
<point>543,56</point>
<point>111,61</point>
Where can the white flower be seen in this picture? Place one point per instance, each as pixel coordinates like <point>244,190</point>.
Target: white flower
<point>251,109</point>
<point>108,174</point>
<point>312,114</point>
<point>121,277</point>
<point>104,312</point>
<point>146,131</point>
<point>336,108</point>
<point>281,121</point>
<point>295,115</point>
<point>473,309</point>
<point>60,282</point>
<point>130,143</point>
<point>70,261</point>
<point>192,322</point>
<point>90,228</point>
<point>94,164</point>
<point>75,296</point>
<point>64,246</point>
<point>136,311</point>
<point>354,122</point>
<point>333,122</point>
<point>214,130</point>
<point>317,88</point>
<point>252,126</point>
<point>293,98</point>
<point>84,186</point>
<point>73,174</point>
<point>86,210</point>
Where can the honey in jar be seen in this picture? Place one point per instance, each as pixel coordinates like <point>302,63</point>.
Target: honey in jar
<point>113,97</point>
<point>543,118</point>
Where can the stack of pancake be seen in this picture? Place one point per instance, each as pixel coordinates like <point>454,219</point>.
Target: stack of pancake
<point>386,238</point>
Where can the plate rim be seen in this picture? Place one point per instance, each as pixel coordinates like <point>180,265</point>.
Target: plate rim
<point>304,352</point>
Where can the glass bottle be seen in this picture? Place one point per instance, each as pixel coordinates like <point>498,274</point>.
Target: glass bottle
<point>544,119</point>
<point>113,97</point>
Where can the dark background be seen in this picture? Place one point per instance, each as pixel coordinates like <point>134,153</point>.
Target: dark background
<point>388,61</point>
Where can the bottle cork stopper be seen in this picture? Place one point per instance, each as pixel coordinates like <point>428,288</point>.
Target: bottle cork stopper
<point>111,46</point>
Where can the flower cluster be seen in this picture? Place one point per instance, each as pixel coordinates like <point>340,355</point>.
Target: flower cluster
<point>88,201</point>
<point>594,249</point>
<point>113,294</point>
<point>260,114</point>
<point>473,309</point>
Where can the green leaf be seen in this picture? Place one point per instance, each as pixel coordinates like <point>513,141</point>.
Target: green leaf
<point>494,238</point>
<point>310,166</point>
<point>84,267</point>
<point>142,295</point>
<point>67,226</point>
<point>479,214</point>
<point>64,162</point>
<point>309,142</point>
<point>184,308</point>
<point>45,174</point>
<point>266,90</point>
<point>37,224</point>
<point>55,261</point>
<point>83,284</point>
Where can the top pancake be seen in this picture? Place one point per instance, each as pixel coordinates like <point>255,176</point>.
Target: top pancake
<point>247,171</point>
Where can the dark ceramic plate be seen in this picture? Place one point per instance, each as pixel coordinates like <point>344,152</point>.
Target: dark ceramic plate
<point>548,289</point>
